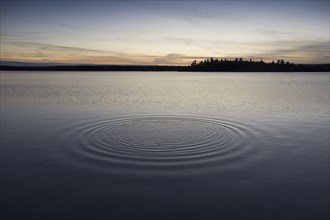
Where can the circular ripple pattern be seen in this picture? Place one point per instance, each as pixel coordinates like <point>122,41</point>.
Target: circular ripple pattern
<point>161,142</point>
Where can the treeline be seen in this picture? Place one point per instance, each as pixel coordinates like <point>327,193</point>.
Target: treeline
<point>241,65</point>
<point>207,65</point>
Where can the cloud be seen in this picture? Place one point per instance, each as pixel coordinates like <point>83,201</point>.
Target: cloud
<point>21,37</point>
<point>50,47</point>
<point>273,32</point>
<point>85,30</point>
<point>169,58</point>
<point>72,26</point>
<point>291,47</point>
<point>298,51</point>
<point>174,58</point>
<point>35,51</point>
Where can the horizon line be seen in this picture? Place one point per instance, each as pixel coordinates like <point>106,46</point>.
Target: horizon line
<point>49,63</point>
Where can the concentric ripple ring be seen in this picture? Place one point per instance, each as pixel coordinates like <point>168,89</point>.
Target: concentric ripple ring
<point>160,142</point>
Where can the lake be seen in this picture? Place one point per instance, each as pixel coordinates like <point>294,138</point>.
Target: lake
<point>164,145</point>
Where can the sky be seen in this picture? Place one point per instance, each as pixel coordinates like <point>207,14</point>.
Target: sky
<point>163,32</point>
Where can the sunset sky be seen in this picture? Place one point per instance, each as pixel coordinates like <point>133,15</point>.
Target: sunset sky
<point>163,32</point>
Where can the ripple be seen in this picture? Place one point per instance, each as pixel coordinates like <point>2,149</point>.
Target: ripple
<point>167,143</point>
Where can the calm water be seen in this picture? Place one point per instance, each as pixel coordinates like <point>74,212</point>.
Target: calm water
<point>164,145</point>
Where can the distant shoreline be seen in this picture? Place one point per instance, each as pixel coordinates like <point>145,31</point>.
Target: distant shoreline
<point>233,68</point>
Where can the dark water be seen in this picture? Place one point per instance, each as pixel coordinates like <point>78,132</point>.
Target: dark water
<point>165,145</point>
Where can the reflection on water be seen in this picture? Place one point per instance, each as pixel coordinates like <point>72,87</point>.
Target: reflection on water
<point>165,145</point>
<point>172,92</point>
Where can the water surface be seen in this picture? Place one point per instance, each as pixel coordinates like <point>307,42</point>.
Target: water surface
<point>164,145</point>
